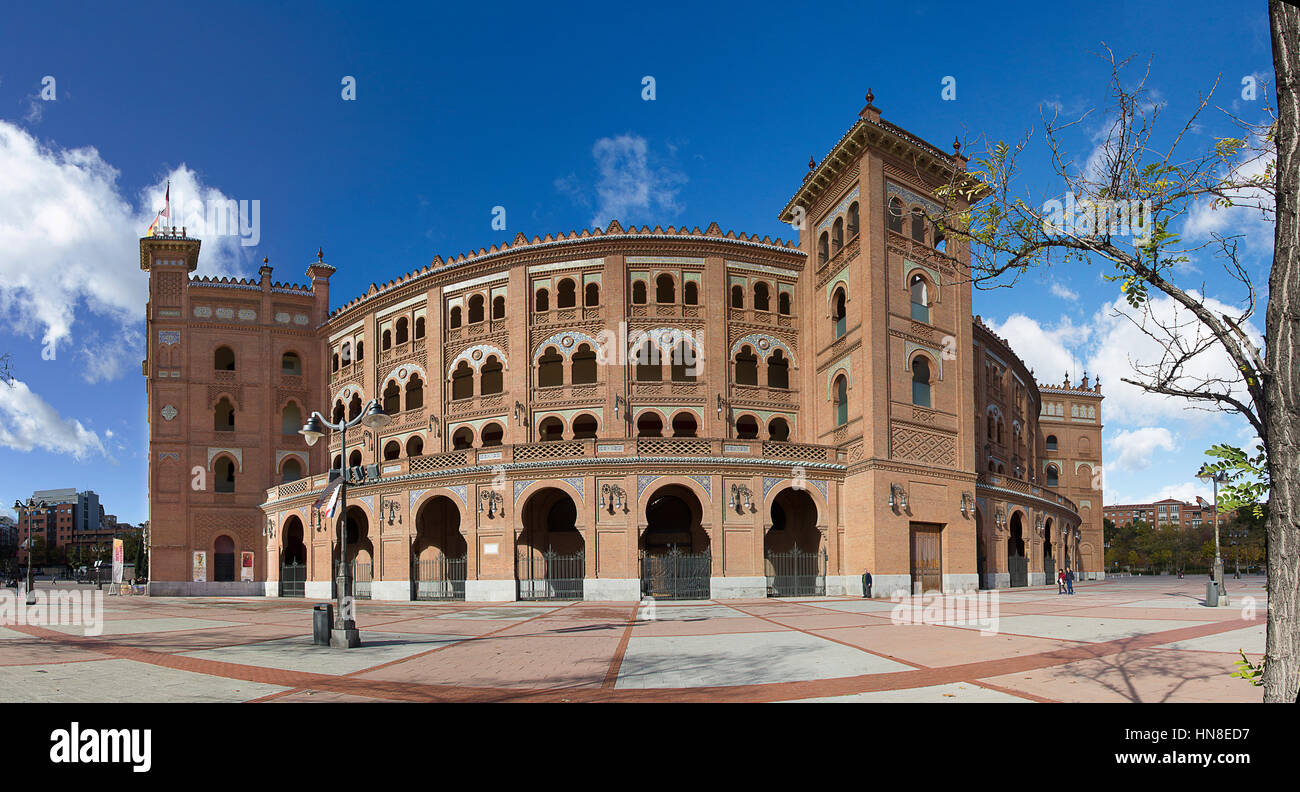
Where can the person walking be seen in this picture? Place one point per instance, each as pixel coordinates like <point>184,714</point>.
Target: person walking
<point>1069,581</point>
<point>1060,582</point>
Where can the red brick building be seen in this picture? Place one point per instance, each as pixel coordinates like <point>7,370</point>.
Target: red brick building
<point>1169,511</point>
<point>622,412</point>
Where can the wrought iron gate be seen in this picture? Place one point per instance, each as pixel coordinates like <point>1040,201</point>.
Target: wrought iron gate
<point>676,575</point>
<point>293,580</point>
<point>549,575</point>
<point>1049,570</point>
<point>796,573</point>
<point>361,577</point>
<point>440,578</point>
<point>1019,568</point>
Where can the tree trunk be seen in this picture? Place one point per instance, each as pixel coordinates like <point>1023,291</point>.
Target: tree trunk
<point>1281,408</point>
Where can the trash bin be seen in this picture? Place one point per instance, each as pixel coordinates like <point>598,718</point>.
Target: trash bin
<point>1211,594</point>
<point>321,618</point>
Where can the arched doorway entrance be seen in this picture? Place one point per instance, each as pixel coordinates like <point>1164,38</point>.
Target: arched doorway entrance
<point>675,558</point>
<point>293,559</point>
<point>1049,563</point>
<point>793,555</point>
<point>1017,563</point>
<point>439,556</point>
<point>981,555</point>
<point>223,559</point>
<point>550,553</point>
<point>361,552</point>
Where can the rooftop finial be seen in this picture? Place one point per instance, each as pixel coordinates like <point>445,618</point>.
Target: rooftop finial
<point>956,145</point>
<point>812,163</point>
<point>266,259</point>
<point>320,254</point>
<point>870,96</point>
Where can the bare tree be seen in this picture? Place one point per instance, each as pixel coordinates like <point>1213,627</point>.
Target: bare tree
<point>1120,209</point>
<point>6,371</point>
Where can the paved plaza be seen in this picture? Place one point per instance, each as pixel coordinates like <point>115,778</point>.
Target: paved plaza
<point>1146,639</point>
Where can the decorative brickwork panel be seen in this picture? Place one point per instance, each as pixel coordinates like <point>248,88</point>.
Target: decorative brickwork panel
<point>672,447</point>
<point>426,464</point>
<point>169,288</point>
<point>920,446</point>
<point>812,453</point>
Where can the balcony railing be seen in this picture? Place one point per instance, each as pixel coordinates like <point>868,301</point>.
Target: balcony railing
<point>1025,488</point>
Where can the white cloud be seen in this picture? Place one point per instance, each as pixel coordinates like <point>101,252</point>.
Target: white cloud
<point>1062,291</point>
<point>630,187</point>
<point>1131,450</point>
<point>27,422</point>
<point>1252,214</point>
<point>69,239</point>
<point>1048,352</point>
<point>1187,492</point>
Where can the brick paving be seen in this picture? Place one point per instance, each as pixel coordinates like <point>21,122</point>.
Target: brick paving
<point>1137,639</point>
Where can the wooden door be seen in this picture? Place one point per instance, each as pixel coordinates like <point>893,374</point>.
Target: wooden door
<point>927,562</point>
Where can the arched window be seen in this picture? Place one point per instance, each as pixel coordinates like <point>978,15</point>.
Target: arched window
<point>920,299</point>
<point>566,295</point>
<point>415,446</point>
<point>462,381</point>
<point>638,292</point>
<point>761,300</point>
<point>476,309</point>
<point>403,330</point>
<point>918,226</point>
<point>591,295</point>
<point>292,470</point>
<point>392,450</point>
<point>778,370</point>
<point>361,348</point>
<point>993,428</point>
<point>823,248</point>
<point>223,359</point>
<point>746,427</point>
<point>837,235</point>
<point>354,459</point>
<point>354,406</point>
<point>550,430</point>
<point>337,463</point>
<point>335,362</point>
<point>665,289</point>
<point>839,312</point>
<point>454,321</point>
<point>550,368</point>
<point>584,426</point>
<point>584,365</point>
<point>783,304</point>
<point>419,327</point>
<point>778,429</point>
<point>648,364</point>
<point>541,301</point>
<point>1051,442</point>
<point>841,400</point>
<point>894,217</point>
<point>492,434</point>
<point>691,293</point>
<point>338,411</point>
<point>224,473</point>
<point>683,362</point>
<point>737,296</point>
<point>223,418</point>
<point>920,381</point>
<point>388,340</point>
<point>290,364</point>
<point>491,377</point>
<point>746,366</point>
<point>684,425</point>
<point>290,419</point>
<point>414,392</point>
<point>649,425</point>
<point>346,352</point>
<point>1053,476</point>
<point>392,400</point>
<point>853,220</point>
<point>939,243</point>
<point>462,438</point>
<point>499,307</point>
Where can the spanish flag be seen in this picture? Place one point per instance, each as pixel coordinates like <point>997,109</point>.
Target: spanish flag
<point>166,211</point>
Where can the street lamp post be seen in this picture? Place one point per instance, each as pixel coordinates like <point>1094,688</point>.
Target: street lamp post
<point>30,505</point>
<point>1206,474</point>
<point>344,633</point>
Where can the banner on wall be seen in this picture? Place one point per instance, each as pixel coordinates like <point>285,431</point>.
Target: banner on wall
<point>246,566</point>
<point>200,566</point>
<point>117,560</point>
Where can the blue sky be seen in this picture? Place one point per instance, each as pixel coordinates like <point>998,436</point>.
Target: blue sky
<point>538,110</point>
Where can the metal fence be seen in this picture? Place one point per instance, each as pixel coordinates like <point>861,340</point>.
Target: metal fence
<point>293,580</point>
<point>549,575</point>
<point>361,578</point>
<point>676,575</point>
<point>440,578</point>
<point>797,573</point>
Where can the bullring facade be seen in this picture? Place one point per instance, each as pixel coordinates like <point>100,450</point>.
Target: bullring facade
<point>622,413</point>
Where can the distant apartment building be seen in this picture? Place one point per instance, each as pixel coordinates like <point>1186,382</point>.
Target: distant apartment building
<point>1169,511</point>
<point>65,518</point>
